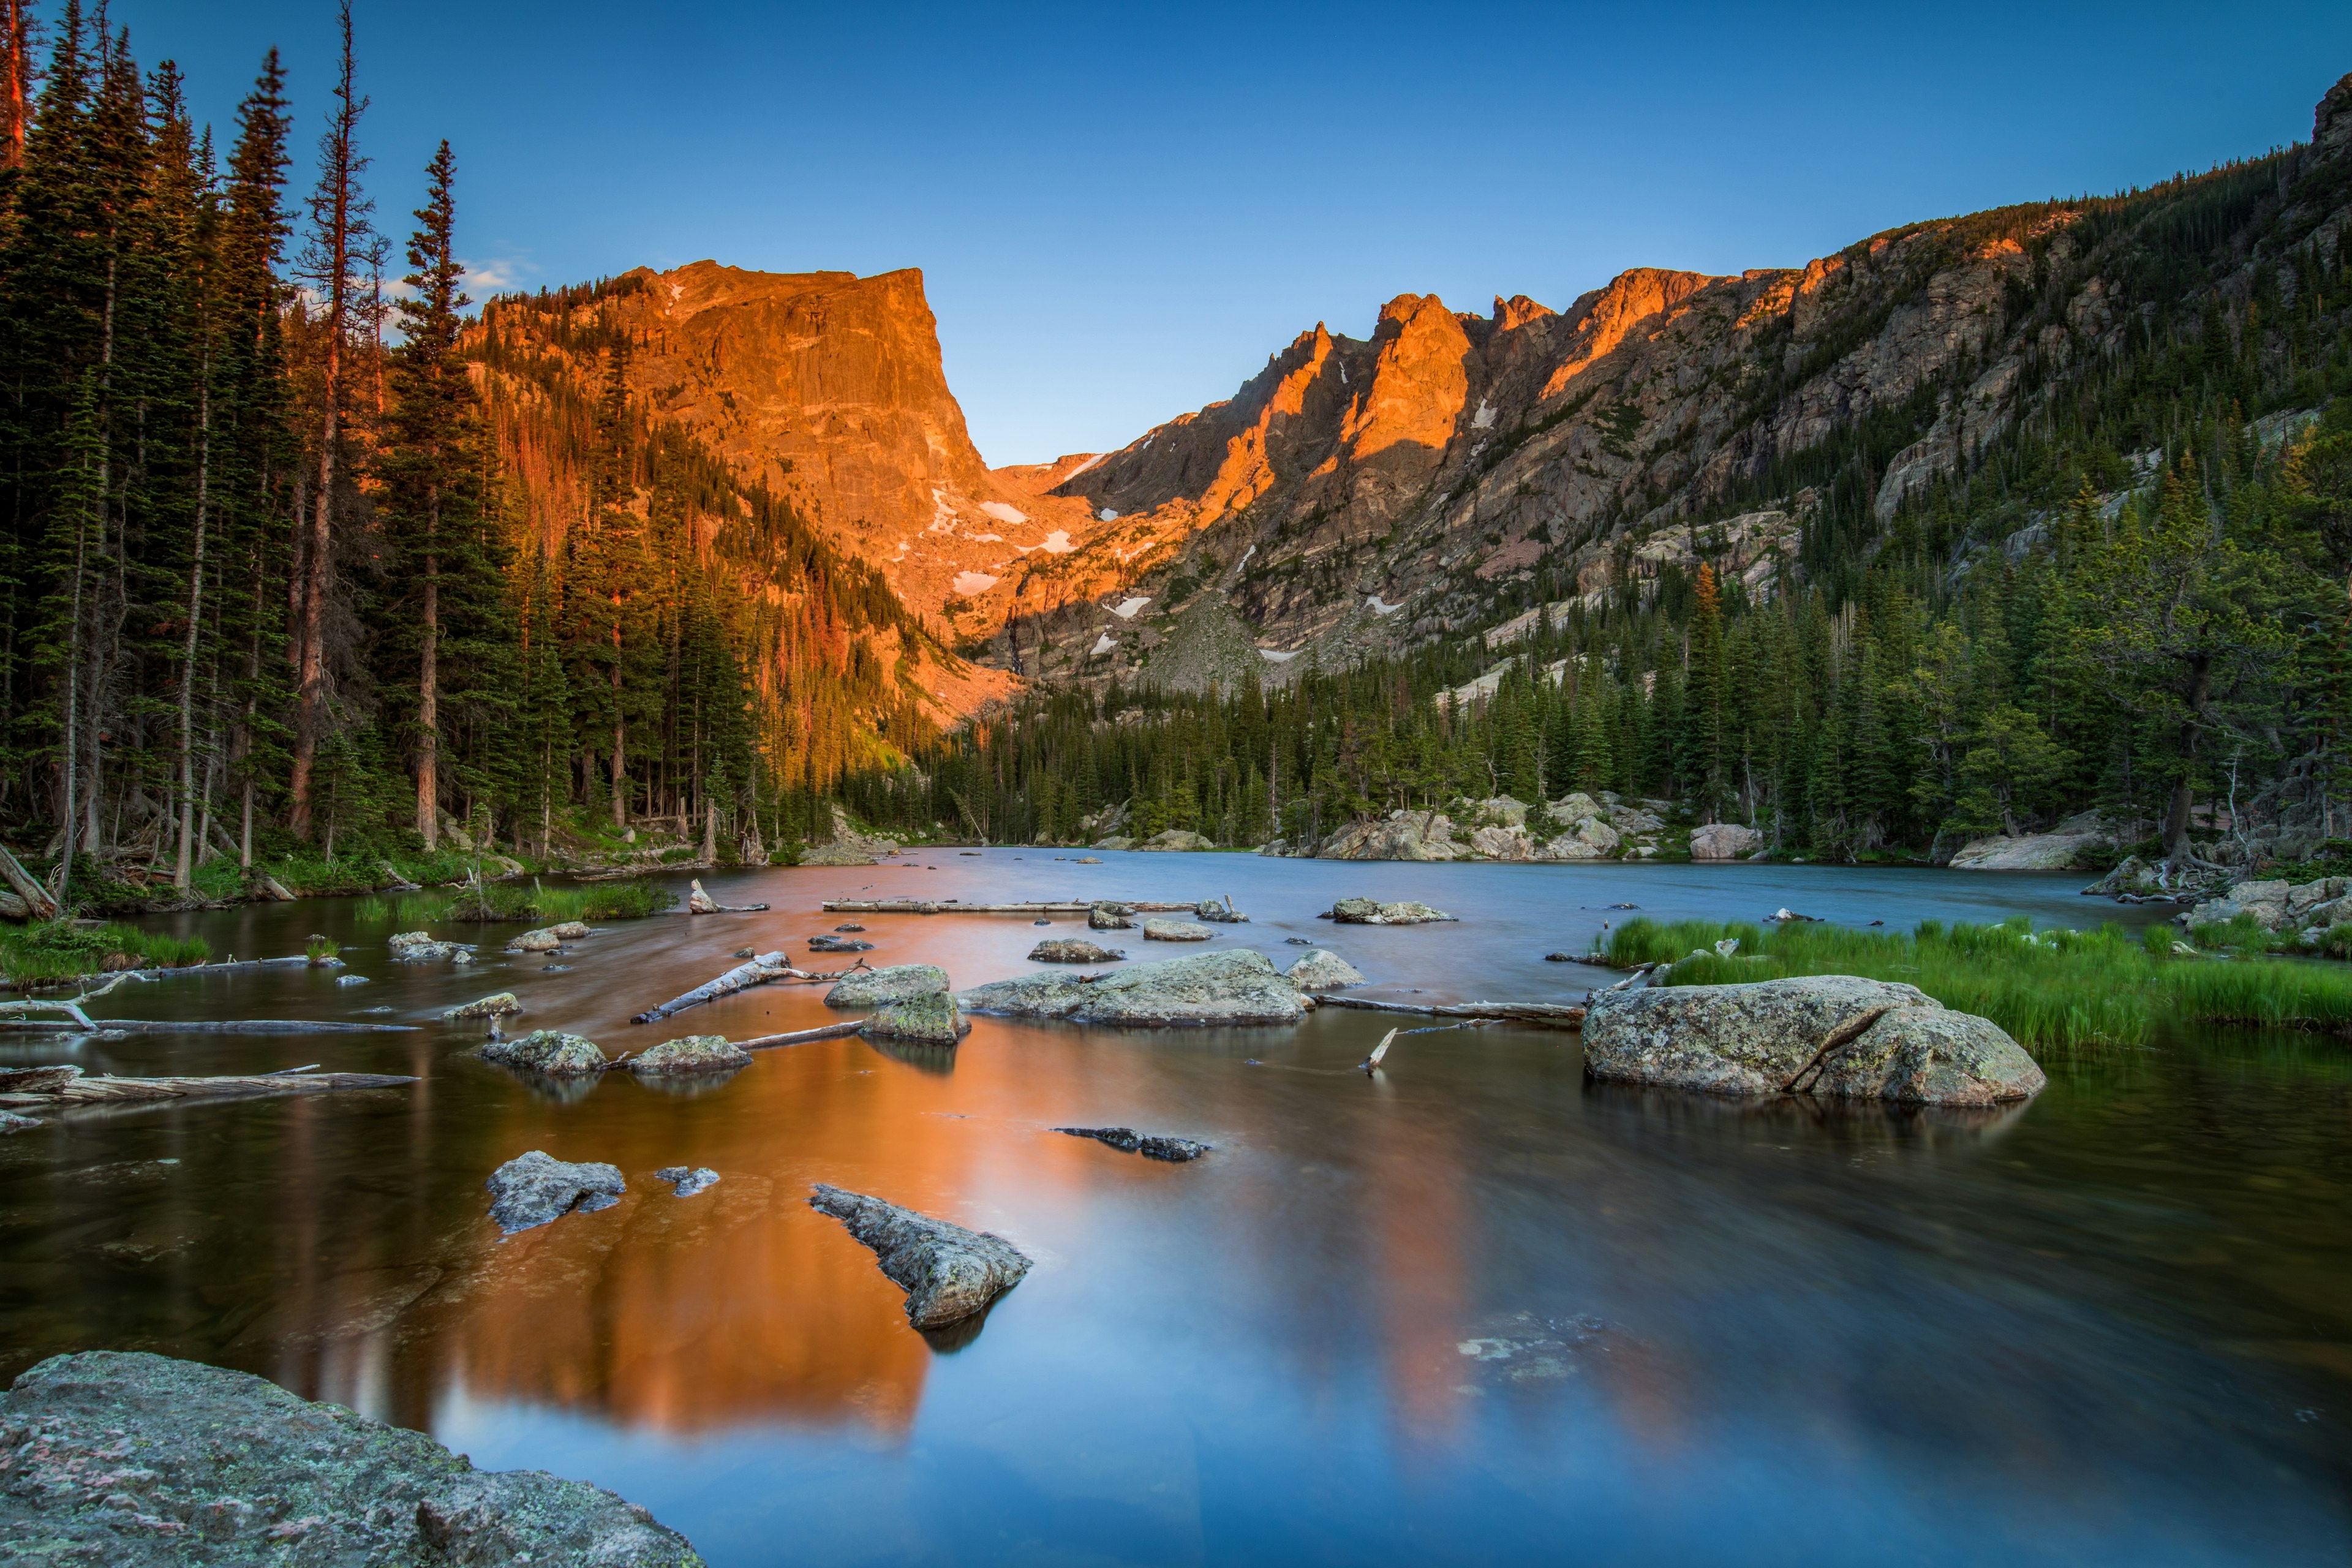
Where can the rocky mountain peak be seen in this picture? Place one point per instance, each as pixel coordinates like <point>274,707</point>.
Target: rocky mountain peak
<point>2331,122</point>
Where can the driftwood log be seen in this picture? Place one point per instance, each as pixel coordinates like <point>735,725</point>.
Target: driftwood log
<point>77,1090</point>
<point>1545,1014</point>
<point>207,1026</point>
<point>768,969</point>
<point>801,1037</point>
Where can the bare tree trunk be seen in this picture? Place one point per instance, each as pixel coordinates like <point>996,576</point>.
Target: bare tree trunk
<point>185,862</point>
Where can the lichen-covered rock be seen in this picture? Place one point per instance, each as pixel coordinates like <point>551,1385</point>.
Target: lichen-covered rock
<point>684,1182</point>
<point>892,982</point>
<point>418,947</point>
<point>1150,1145</point>
<point>142,1461</point>
<point>533,1189</point>
<point>1111,917</point>
<point>2265,901</point>
<point>1400,836</point>
<point>1724,841</point>
<point>568,931</point>
<point>1571,809</point>
<point>543,940</point>
<point>1319,969</point>
<point>1071,949</point>
<point>1115,843</point>
<point>1176,839</point>
<point>1176,930</point>
<point>1373,912</point>
<point>1805,1035</point>
<point>1233,987</point>
<point>691,1053</point>
<point>551,1052</point>
<point>497,1004</point>
<point>928,1018</point>
<point>948,1272</point>
<point>2029,852</point>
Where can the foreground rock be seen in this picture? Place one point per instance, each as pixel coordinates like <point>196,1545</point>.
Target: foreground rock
<point>2278,905</point>
<point>1373,912</point>
<point>1176,930</point>
<point>1319,969</point>
<point>1236,987</point>
<point>418,947</point>
<point>1724,841</point>
<point>551,1052</point>
<point>892,982</point>
<point>1150,1145</point>
<point>931,1018</point>
<point>948,1272</point>
<point>139,1461</point>
<point>1827,1033</point>
<point>692,1054</point>
<point>533,1189</point>
<point>1071,949</point>
<point>497,1004</point>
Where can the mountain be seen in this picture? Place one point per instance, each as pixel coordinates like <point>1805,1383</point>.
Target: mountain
<point>1362,495</point>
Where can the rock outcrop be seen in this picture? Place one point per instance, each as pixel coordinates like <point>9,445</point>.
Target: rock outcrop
<point>143,1461</point>
<point>550,1051</point>
<point>2277,905</point>
<point>1835,1035</point>
<point>1234,987</point>
<point>2030,852</point>
<point>1724,841</point>
<point>1319,969</point>
<point>1177,839</point>
<point>892,982</point>
<point>948,1272</point>
<point>533,1189</point>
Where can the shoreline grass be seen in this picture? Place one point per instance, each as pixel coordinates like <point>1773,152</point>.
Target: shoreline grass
<point>2050,988</point>
<point>494,901</point>
<point>56,952</point>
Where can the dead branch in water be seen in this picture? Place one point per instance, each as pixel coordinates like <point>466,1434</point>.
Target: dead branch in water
<point>768,969</point>
<point>1548,1015</point>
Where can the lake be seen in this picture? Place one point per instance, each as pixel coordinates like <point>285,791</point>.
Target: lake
<point>1475,1309</point>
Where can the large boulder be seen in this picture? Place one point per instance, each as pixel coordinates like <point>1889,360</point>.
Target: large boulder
<point>1319,969</point>
<point>691,1054</point>
<point>1111,917</point>
<point>533,1189</point>
<point>1822,1034</point>
<point>1724,841</point>
<point>1176,930</point>
<point>418,947</point>
<point>144,1462</point>
<point>1400,836</point>
<point>892,982</point>
<point>1590,839</point>
<point>497,1004</point>
<point>1373,912</point>
<point>543,940</point>
<point>1176,839</point>
<point>1220,911</point>
<point>948,1272</point>
<point>1234,987</point>
<point>2029,852</point>
<point>551,1052</point>
<point>1115,842</point>
<point>1571,809</point>
<point>930,1018</point>
<point>2265,901</point>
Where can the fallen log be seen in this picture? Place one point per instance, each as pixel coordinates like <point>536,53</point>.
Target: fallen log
<point>801,1037</point>
<point>956,907</point>
<point>37,901</point>
<point>768,969</point>
<point>207,1025</point>
<point>104,1091</point>
<point>1547,1014</point>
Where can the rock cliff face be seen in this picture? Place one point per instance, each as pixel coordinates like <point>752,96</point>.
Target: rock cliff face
<point>829,387</point>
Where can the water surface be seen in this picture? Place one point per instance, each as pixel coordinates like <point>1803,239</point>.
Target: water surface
<point>1475,1309</point>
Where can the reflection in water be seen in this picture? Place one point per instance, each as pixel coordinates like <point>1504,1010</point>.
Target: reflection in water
<point>1459,1313</point>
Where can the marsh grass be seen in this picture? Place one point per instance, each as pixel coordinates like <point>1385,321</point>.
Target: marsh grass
<point>508,901</point>
<point>58,951</point>
<point>321,948</point>
<point>2051,988</point>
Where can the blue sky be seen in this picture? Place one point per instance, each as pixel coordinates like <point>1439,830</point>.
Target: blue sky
<point>1120,212</point>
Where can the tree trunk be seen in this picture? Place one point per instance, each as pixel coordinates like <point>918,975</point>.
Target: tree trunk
<point>184,865</point>
<point>428,693</point>
<point>2175,819</point>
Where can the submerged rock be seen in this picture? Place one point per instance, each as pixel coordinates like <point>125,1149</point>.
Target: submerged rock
<point>1320,969</point>
<point>350,979</point>
<point>418,947</point>
<point>1234,987</point>
<point>930,1018</point>
<point>1373,912</point>
<point>948,1272</point>
<point>551,1052</point>
<point>1825,1034</point>
<point>1072,949</point>
<point>1087,860</point>
<point>693,1053</point>
<point>892,982</point>
<point>533,1189</point>
<point>497,1004</point>
<point>849,926</point>
<point>140,1461</point>
<point>1176,930</point>
<point>1150,1145</point>
<point>828,943</point>
<point>685,1182</point>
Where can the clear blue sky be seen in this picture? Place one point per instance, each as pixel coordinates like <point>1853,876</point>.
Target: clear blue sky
<point>1121,212</point>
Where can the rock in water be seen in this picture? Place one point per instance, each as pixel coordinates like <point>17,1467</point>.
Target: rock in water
<point>1373,912</point>
<point>685,1182</point>
<point>568,931</point>
<point>1236,987</point>
<point>551,1052</point>
<point>1822,1034</point>
<point>892,982</point>
<point>1087,860</point>
<point>1176,930</point>
<point>1220,912</point>
<point>698,902</point>
<point>1071,949</point>
<point>543,940</point>
<point>1150,1145</point>
<point>533,1189</point>
<point>948,1272</point>
<point>418,947</point>
<point>826,942</point>
<point>1111,917</point>
<point>497,1004</point>
<point>695,1053</point>
<point>140,1461</point>
<point>1320,969</point>
<point>931,1018</point>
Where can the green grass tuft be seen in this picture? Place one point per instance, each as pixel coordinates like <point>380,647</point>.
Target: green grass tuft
<point>60,951</point>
